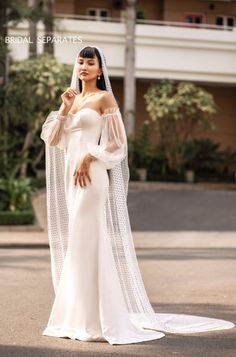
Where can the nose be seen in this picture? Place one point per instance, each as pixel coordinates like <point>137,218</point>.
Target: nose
<point>84,66</point>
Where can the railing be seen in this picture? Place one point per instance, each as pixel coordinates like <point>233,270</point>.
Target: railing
<point>185,24</point>
<point>144,22</point>
<point>89,18</point>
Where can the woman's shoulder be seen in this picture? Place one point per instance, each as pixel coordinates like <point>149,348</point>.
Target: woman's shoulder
<point>107,100</point>
<point>105,95</point>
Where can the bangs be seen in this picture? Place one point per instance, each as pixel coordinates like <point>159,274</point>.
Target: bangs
<point>88,52</point>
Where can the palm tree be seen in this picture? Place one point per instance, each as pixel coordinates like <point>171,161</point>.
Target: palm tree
<point>41,10</point>
<point>32,28</point>
<point>49,25</point>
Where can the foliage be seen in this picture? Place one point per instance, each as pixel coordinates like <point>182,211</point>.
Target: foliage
<point>140,13</point>
<point>33,90</point>
<point>228,161</point>
<point>3,53</point>
<point>158,164</point>
<point>17,217</point>
<point>15,194</point>
<point>37,82</point>
<point>140,150</point>
<point>201,154</point>
<point>179,111</point>
<point>205,156</point>
<point>18,10</point>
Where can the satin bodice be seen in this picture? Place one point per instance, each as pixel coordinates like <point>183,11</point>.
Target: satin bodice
<point>81,128</point>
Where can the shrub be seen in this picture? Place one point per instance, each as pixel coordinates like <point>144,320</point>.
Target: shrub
<point>179,111</point>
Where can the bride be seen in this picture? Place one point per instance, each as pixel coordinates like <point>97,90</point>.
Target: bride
<point>99,292</point>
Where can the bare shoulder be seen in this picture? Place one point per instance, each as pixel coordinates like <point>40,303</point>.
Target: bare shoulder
<point>107,100</point>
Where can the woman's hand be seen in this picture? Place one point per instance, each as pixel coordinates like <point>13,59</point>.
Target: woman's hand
<point>82,171</point>
<point>68,98</point>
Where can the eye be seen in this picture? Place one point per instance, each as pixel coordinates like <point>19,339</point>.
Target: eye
<point>89,63</point>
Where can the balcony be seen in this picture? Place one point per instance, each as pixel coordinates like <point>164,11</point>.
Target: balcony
<point>204,53</point>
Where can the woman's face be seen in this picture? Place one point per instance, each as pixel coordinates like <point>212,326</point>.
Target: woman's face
<point>88,68</point>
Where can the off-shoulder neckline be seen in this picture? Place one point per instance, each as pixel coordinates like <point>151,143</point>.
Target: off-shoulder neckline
<point>106,111</point>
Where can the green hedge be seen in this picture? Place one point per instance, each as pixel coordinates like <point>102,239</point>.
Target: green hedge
<point>17,217</point>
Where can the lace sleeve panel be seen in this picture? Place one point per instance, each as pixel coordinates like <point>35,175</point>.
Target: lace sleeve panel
<point>113,143</point>
<point>53,133</point>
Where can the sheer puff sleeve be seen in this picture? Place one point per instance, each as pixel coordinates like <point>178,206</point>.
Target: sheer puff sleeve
<point>113,141</point>
<point>53,133</point>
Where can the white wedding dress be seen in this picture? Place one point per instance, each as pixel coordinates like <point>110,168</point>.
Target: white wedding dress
<point>89,304</point>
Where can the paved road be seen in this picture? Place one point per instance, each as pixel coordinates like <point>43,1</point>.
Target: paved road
<point>184,272</point>
<point>186,248</point>
<point>210,210</point>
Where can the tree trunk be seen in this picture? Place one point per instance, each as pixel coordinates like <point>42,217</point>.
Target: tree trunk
<point>32,31</point>
<point>48,23</point>
<point>28,142</point>
<point>129,78</point>
<point>4,65</point>
<point>4,76</point>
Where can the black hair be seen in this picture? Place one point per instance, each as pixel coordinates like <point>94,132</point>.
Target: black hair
<point>91,52</point>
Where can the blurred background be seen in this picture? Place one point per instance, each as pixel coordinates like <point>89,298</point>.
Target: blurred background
<point>172,66</point>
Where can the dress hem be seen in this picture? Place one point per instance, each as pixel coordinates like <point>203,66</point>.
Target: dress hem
<point>73,334</point>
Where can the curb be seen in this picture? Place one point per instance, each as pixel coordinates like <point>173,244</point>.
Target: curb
<point>198,186</point>
<point>24,246</point>
<point>21,228</point>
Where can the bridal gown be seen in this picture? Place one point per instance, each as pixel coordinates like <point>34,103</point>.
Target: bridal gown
<point>89,303</point>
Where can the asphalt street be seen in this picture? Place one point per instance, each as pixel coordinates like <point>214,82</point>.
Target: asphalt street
<point>209,210</point>
<point>188,268</point>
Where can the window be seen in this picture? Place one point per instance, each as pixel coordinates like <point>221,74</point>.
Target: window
<point>98,13</point>
<point>92,12</point>
<point>219,20</point>
<point>223,20</point>
<point>195,18</point>
<point>103,13</point>
<point>230,21</point>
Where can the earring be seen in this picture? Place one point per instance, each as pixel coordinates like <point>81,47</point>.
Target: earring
<point>98,77</point>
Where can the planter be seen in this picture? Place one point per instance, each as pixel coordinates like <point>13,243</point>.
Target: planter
<point>142,174</point>
<point>189,176</point>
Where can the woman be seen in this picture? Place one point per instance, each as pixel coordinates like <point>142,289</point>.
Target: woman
<point>99,292</point>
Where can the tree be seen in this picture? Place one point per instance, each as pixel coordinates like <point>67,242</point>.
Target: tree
<point>10,10</point>
<point>40,10</point>
<point>34,89</point>
<point>179,111</point>
<point>49,26</point>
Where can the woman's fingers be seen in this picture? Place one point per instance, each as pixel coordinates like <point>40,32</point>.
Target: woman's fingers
<point>75,179</point>
<point>72,91</point>
<point>82,181</point>
<point>81,178</point>
<point>87,174</point>
<point>69,92</point>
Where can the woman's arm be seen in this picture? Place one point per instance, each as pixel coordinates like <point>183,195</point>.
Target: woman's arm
<point>53,128</point>
<point>113,142</point>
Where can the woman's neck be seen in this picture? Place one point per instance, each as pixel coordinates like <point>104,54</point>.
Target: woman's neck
<point>88,88</point>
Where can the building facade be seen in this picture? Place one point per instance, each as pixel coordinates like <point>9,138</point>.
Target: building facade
<point>184,40</point>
